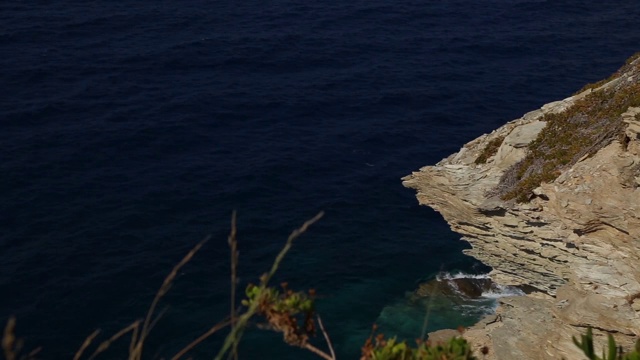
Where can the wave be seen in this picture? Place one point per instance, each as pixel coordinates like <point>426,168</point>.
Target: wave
<point>502,291</point>
<point>490,289</point>
<point>460,275</point>
<point>448,299</point>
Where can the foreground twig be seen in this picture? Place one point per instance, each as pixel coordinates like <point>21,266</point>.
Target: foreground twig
<point>136,353</point>
<point>11,346</point>
<point>318,352</point>
<point>201,338</point>
<point>236,333</point>
<point>140,329</point>
<point>233,244</point>
<point>9,339</point>
<point>326,338</point>
<point>434,292</point>
<point>105,344</point>
<point>86,344</point>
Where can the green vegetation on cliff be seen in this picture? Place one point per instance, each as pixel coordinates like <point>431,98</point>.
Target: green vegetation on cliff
<point>614,352</point>
<point>616,74</point>
<point>490,150</point>
<point>593,122</point>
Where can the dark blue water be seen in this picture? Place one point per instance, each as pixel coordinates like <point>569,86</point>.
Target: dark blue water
<point>130,130</point>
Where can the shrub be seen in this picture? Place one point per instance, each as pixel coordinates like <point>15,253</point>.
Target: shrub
<point>590,124</point>
<point>490,150</point>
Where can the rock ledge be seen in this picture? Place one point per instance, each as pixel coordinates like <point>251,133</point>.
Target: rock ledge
<point>577,241</point>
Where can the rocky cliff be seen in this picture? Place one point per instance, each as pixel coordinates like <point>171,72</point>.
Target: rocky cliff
<point>574,236</point>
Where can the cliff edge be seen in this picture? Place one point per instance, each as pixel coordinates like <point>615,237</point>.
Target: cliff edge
<point>552,201</point>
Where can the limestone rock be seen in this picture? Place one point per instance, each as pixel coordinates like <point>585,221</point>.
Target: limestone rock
<point>577,241</point>
<point>526,327</point>
<point>631,117</point>
<point>522,135</point>
<point>513,148</point>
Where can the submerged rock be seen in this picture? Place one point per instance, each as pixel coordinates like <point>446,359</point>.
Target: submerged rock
<point>467,287</point>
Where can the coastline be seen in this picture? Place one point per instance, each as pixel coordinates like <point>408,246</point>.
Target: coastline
<point>576,241</point>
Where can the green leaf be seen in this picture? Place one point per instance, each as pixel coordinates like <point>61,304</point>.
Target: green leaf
<point>613,350</point>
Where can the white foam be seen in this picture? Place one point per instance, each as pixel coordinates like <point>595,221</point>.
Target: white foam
<point>501,291</point>
<point>498,291</point>
<point>477,309</point>
<point>460,275</point>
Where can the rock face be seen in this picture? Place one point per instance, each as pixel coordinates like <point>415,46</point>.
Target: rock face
<point>577,241</point>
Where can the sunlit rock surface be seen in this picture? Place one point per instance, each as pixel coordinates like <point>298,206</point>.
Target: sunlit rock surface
<point>577,242</point>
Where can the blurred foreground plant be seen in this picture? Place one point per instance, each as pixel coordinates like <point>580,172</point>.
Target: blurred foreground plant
<point>613,352</point>
<point>284,311</point>
<point>379,348</point>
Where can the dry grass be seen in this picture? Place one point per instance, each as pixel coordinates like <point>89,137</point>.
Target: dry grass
<point>490,150</point>
<point>590,124</point>
<point>12,346</point>
<point>240,324</point>
<point>233,245</point>
<point>622,70</point>
<point>140,329</point>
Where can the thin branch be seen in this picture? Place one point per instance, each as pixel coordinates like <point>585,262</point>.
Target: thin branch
<point>105,344</point>
<point>8,339</point>
<point>34,352</point>
<point>236,333</point>
<point>429,306</point>
<point>157,318</point>
<point>11,346</point>
<point>166,285</point>
<point>201,338</point>
<point>295,234</point>
<point>86,344</point>
<point>134,338</point>
<point>326,338</point>
<point>233,244</point>
<point>318,352</point>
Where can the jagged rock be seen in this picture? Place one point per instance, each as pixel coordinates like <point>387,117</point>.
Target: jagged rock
<point>577,241</point>
<point>525,327</point>
<point>522,135</point>
<point>513,148</point>
<point>629,117</point>
<point>493,205</point>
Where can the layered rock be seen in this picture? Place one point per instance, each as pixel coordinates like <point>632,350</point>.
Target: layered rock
<point>577,241</point>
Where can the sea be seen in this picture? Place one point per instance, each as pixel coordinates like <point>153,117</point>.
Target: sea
<point>132,130</point>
